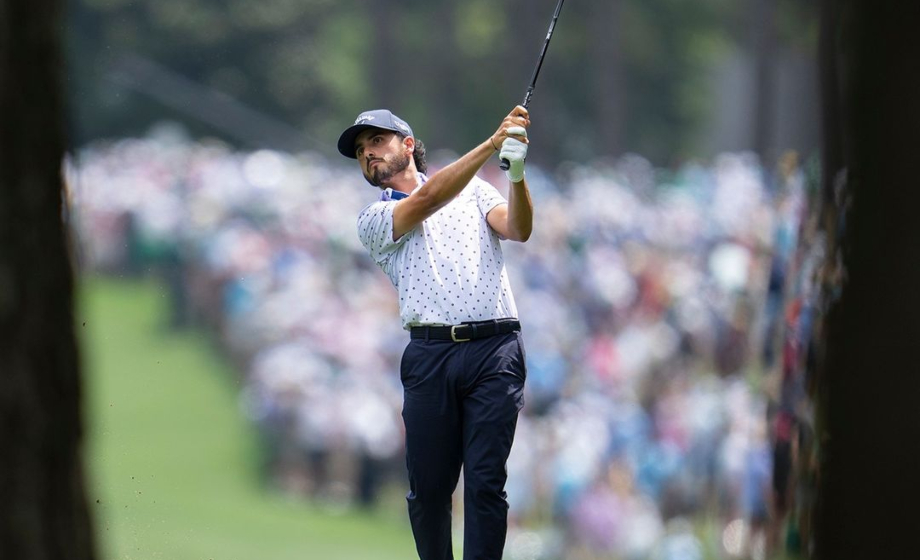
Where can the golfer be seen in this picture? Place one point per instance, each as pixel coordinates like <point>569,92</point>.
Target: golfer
<point>437,238</point>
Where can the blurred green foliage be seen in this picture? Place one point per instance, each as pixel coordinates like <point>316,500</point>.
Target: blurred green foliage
<point>620,75</point>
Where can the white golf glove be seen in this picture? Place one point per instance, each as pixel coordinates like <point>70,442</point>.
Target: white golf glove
<point>515,152</point>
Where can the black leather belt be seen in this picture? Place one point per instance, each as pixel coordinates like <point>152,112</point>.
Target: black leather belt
<point>465,332</point>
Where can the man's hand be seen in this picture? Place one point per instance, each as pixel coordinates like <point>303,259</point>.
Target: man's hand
<point>517,118</point>
<point>514,150</point>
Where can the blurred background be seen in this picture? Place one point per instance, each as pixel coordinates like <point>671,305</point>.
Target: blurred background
<point>242,350</point>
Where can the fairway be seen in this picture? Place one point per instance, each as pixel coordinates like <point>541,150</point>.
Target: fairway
<point>172,461</point>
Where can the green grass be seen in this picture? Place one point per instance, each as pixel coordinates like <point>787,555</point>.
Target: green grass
<point>173,463</point>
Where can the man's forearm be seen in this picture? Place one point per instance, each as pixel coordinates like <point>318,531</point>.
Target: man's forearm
<point>439,189</point>
<point>447,183</point>
<point>520,211</point>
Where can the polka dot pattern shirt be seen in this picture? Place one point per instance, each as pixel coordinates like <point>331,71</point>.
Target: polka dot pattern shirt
<point>449,269</point>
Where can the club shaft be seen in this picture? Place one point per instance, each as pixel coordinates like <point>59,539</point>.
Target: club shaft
<point>505,164</point>
<point>536,70</point>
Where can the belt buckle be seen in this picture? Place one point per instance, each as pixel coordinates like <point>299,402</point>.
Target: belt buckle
<point>453,334</point>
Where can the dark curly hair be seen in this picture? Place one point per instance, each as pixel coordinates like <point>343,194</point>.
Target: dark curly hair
<point>421,163</point>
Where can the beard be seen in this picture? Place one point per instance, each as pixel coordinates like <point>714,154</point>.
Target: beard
<point>380,175</point>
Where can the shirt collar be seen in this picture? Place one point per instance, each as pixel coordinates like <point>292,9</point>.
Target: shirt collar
<point>389,194</point>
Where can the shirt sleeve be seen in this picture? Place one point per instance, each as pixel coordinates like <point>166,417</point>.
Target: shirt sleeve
<point>375,229</point>
<point>487,197</point>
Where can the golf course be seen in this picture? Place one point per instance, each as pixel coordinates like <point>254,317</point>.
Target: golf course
<point>173,464</point>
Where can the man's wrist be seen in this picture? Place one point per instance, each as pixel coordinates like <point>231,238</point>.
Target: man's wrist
<point>492,141</point>
<point>513,177</point>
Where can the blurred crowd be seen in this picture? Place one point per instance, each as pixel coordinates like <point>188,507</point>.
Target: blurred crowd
<point>668,318</point>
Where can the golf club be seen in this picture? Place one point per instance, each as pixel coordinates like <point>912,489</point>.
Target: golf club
<point>505,164</point>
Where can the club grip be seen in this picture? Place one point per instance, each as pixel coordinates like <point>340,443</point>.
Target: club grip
<point>505,165</point>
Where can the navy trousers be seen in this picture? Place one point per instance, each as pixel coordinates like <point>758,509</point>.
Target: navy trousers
<point>460,409</point>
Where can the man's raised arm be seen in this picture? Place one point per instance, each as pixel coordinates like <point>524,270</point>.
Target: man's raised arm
<point>447,183</point>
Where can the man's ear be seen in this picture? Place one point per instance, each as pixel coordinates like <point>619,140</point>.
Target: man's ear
<point>409,143</point>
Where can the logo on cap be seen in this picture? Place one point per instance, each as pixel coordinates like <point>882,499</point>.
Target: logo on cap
<point>402,127</point>
<point>364,118</point>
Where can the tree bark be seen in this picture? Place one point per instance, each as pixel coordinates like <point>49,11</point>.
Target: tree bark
<point>385,61</point>
<point>763,25</point>
<point>606,56</point>
<point>870,380</point>
<point>43,509</point>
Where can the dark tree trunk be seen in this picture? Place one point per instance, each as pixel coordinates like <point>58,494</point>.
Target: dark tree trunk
<point>384,59</point>
<point>43,509</point>
<point>446,108</point>
<point>870,381</point>
<point>606,57</point>
<point>764,40</point>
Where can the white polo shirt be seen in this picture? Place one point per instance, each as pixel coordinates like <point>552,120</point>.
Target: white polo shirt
<point>449,269</point>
